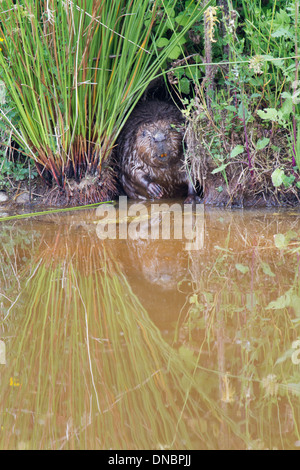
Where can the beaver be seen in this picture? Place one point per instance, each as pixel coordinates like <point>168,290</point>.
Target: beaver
<point>150,154</point>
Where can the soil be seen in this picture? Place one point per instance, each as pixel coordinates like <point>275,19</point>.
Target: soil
<point>246,180</point>
<point>39,194</point>
<point>245,187</point>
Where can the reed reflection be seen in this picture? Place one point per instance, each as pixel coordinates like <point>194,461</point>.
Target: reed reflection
<point>208,363</point>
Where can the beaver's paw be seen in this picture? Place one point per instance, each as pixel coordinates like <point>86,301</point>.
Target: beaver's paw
<point>192,199</point>
<point>155,190</point>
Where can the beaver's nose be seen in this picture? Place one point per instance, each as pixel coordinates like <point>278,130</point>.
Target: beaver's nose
<point>159,137</point>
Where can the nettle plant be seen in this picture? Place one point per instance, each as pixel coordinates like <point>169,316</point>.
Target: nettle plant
<point>279,31</point>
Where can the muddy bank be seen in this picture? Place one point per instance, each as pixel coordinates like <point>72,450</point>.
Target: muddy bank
<point>39,193</point>
<point>250,193</point>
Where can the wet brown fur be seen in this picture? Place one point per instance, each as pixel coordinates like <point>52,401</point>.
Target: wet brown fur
<point>150,151</point>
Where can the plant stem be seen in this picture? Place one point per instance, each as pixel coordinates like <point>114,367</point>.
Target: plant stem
<point>208,60</point>
<point>247,142</point>
<point>295,83</point>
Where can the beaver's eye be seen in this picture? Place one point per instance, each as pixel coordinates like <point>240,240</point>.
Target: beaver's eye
<point>144,133</point>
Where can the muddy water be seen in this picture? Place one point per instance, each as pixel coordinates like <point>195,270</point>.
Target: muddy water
<point>116,334</point>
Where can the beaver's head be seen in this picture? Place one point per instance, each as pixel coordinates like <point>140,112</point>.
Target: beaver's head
<point>159,143</point>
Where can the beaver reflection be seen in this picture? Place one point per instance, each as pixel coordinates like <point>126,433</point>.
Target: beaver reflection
<point>150,152</point>
<point>157,269</point>
<point>158,274</point>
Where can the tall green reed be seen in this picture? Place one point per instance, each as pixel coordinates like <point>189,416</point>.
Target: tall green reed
<point>74,71</point>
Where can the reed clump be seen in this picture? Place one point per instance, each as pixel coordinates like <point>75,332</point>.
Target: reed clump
<point>74,71</point>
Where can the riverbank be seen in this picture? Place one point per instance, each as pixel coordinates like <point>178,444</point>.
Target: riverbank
<point>38,193</point>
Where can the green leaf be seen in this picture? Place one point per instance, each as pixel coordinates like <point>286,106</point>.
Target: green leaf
<point>282,302</point>
<point>262,143</point>
<point>282,18</point>
<point>243,112</point>
<point>278,63</point>
<point>288,180</point>
<point>182,19</point>
<point>184,85</point>
<point>243,269</point>
<point>236,151</point>
<point>193,299</point>
<point>231,108</point>
<point>220,168</point>
<point>170,12</point>
<point>295,98</point>
<point>277,177</point>
<point>162,42</point>
<point>282,32</point>
<point>270,114</point>
<point>266,269</point>
<point>192,73</point>
<point>174,53</point>
<point>280,240</point>
<point>287,108</point>
<point>178,74</point>
<point>257,81</point>
<point>174,39</point>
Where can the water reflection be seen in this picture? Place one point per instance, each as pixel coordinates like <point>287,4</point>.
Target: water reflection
<point>142,344</point>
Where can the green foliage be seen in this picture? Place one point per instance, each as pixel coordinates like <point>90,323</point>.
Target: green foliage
<point>17,171</point>
<point>11,168</point>
<point>279,177</point>
<point>255,90</point>
<point>272,33</point>
<point>175,18</point>
<point>75,71</point>
<point>73,80</point>
<point>237,150</point>
<point>178,17</point>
